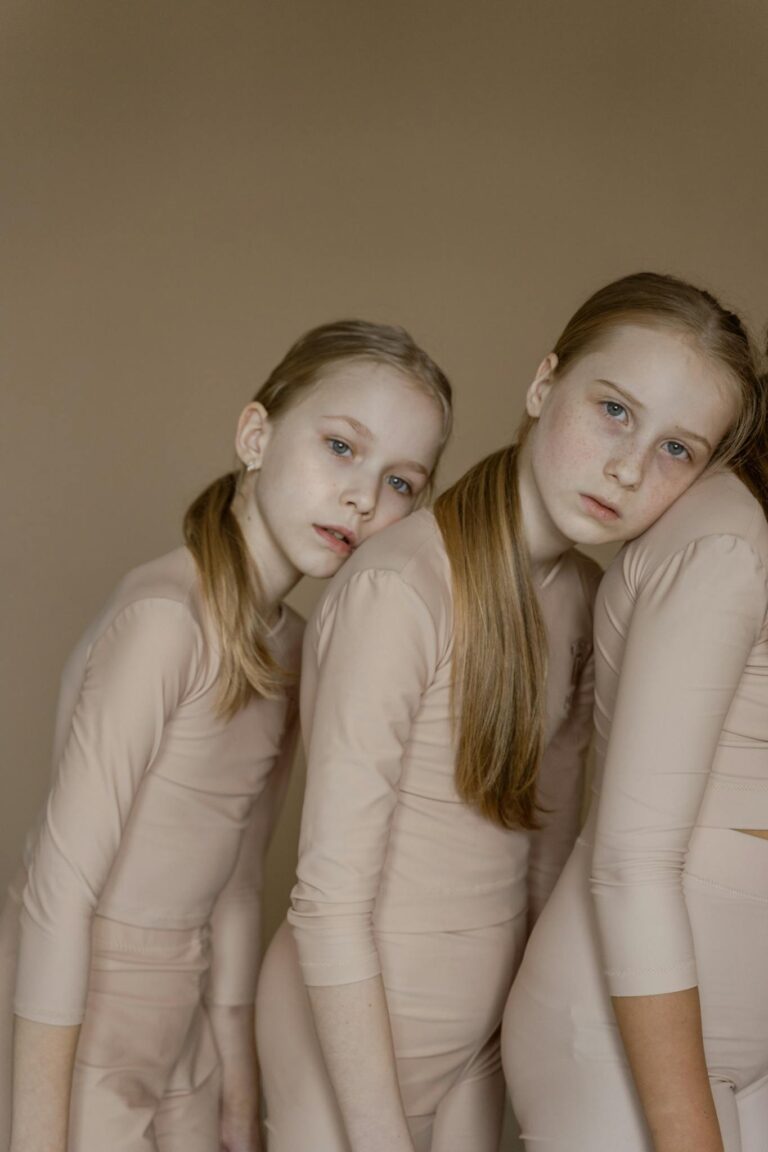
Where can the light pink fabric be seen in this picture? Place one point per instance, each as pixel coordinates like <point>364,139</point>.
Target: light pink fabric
<point>386,841</point>
<point>396,874</point>
<point>159,812</point>
<point>677,897</point>
<point>146,1075</point>
<point>445,1025</point>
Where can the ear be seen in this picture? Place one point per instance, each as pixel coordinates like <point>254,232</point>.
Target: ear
<point>542,382</point>
<point>254,429</point>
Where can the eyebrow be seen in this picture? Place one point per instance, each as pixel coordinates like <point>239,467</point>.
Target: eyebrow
<point>633,400</point>
<point>365,432</point>
<point>627,395</point>
<point>361,429</point>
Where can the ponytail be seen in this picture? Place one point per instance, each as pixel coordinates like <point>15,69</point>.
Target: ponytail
<point>232,591</point>
<point>500,649</point>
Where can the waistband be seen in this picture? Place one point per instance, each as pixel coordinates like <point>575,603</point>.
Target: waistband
<point>184,945</point>
<point>732,801</point>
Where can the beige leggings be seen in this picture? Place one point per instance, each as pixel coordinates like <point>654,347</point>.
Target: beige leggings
<point>565,1065</point>
<point>445,993</point>
<point>146,1075</point>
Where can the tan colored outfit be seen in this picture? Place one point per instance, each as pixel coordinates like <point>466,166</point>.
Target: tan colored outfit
<point>396,874</point>
<point>678,898</point>
<point>143,878</point>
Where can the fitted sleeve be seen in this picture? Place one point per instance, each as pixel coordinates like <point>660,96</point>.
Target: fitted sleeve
<point>694,622</point>
<point>137,671</point>
<point>377,652</point>
<point>236,919</point>
<point>560,791</point>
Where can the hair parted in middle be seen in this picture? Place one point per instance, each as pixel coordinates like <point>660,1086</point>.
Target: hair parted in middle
<point>500,643</point>
<point>229,576</point>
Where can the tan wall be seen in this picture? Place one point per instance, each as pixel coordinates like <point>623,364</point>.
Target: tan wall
<point>189,185</point>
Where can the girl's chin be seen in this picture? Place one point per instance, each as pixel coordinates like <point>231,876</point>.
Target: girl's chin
<point>583,530</point>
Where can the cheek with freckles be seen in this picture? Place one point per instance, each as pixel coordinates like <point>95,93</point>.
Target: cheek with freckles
<point>565,440</point>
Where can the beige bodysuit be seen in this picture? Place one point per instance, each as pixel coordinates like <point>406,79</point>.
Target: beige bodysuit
<point>144,874</point>
<point>396,874</point>
<point>678,896</point>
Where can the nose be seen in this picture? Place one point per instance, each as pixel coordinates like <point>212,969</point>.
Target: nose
<point>626,468</point>
<point>362,497</point>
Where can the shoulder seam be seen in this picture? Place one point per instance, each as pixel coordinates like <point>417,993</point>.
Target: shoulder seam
<point>182,605</point>
<point>736,536</point>
<point>396,572</point>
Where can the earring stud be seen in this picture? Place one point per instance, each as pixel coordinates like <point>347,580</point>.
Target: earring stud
<point>251,467</point>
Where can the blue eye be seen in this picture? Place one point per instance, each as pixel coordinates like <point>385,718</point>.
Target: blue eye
<point>677,450</point>
<point>614,410</point>
<point>339,447</point>
<point>399,485</point>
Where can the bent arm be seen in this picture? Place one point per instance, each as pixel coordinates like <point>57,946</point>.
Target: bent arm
<point>136,673</point>
<point>692,629</point>
<point>375,655</point>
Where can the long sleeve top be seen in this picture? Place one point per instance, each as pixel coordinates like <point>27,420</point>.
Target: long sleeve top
<point>386,841</point>
<point>681,636</point>
<point>159,809</point>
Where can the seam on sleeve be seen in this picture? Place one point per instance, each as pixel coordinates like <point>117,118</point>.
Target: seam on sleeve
<point>356,579</point>
<point>736,537</point>
<point>648,970</point>
<point>182,606</point>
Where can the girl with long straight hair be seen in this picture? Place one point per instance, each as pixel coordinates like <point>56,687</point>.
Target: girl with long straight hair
<point>137,913</point>
<point>639,1018</point>
<point>446,708</point>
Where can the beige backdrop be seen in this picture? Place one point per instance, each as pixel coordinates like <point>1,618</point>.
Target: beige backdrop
<point>189,185</point>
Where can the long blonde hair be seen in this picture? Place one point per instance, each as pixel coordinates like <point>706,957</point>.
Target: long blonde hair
<point>500,643</point>
<point>229,576</point>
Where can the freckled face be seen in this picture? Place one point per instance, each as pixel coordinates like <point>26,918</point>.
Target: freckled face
<point>349,458</point>
<point>623,431</point>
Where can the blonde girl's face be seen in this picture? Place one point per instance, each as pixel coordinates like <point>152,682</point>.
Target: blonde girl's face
<point>349,457</point>
<point>623,431</point>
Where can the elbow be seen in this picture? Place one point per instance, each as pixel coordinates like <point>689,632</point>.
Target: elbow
<point>617,872</point>
<point>336,944</point>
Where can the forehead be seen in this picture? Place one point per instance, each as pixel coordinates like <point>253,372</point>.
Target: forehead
<point>663,369</point>
<point>403,417</point>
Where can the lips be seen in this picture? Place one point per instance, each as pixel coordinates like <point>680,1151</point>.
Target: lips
<point>339,539</point>
<point>599,509</point>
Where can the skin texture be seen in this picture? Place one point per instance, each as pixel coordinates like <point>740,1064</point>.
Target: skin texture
<point>43,1058</point>
<point>362,1073</point>
<point>354,451</point>
<point>662,1038</point>
<point>588,439</point>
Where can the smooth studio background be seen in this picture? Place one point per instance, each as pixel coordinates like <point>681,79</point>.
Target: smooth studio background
<point>190,185</point>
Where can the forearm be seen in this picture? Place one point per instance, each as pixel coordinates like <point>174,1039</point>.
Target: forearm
<point>43,1060</point>
<point>235,1035</point>
<point>663,1040</point>
<point>352,1023</point>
